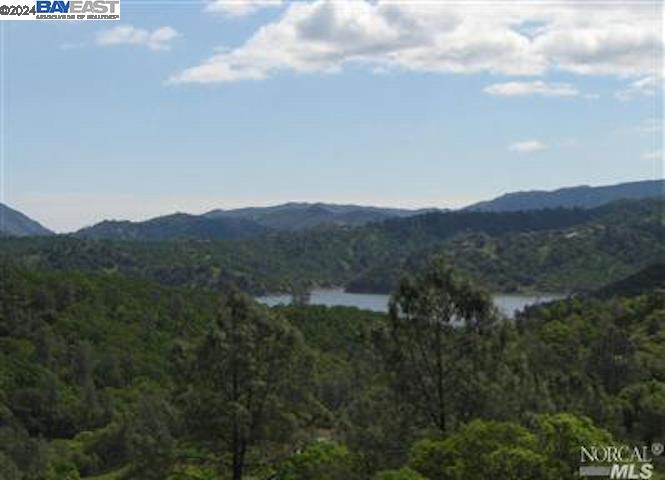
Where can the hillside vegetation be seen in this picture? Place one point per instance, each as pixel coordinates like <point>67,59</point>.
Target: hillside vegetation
<point>107,377</point>
<point>550,250</point>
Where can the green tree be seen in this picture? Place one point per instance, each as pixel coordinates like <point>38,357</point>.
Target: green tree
<point>250,381</point>
<point>320,461</point>
<point>561,435</point>
<point>151,443</point>
<point>438,323</point>
<point>402,474</point>
<point>8,469</point>
<point>480,450</point>
<point>644,410</point>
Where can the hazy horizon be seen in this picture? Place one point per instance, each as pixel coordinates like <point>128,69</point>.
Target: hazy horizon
<point>136,215</point>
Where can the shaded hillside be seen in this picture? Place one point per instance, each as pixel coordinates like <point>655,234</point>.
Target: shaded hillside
<point>650,278</point>
<point>615,241</point>
<point>14,223</point>
<point>582,197</point>
<point>550,250</point>
<point>120,379</point>
<point>179,226</point>
<point>300,216</point>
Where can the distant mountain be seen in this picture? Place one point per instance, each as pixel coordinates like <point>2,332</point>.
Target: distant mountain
<point>14,223</point>
<point>179,226</point>
<point>301,216</point>
<point>241,223</point>
<point>582,197</point>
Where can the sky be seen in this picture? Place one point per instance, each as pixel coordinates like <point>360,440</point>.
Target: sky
<point>190,106</point>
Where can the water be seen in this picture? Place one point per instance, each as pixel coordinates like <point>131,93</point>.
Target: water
<point>506,303</point>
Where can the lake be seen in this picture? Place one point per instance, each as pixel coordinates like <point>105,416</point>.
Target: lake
<point>506,303</point>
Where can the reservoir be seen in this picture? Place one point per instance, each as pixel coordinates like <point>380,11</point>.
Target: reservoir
<point>506,303</point>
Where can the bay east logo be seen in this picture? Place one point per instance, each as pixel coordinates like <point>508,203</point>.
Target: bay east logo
<point>78,9</point>
<point>619,461</point>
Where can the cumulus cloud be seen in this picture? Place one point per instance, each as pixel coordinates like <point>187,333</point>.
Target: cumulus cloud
<point>240,8</point>
<point>527,146</point>
<point>521,89</point>
<point>324,36</point>
<point>158,39</point>
<point>646,86</point>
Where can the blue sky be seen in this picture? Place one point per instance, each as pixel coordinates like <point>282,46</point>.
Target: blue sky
<point>201,105</point>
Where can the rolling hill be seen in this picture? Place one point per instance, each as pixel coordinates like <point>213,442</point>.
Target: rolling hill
<point>179,226</point>
<point>572,197</point>
<point>242,223</point>
<point>555,250</point>
<point>300,216</point>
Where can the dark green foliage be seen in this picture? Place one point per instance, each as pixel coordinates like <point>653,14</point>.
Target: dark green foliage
<point>320,461</point>
<point>401,474</point>
<point>549,250</point>
<point>179,226</point>
<point>650,278</point>
<point>246,383</point>
<point>101,375</point>
<point>300,216</point>
<point>438,325</point>
<point>74,353</point>
<point>486,449</point>
<point>150,439</point>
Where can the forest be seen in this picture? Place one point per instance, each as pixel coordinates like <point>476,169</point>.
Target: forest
<point>551,250</point>
<point>105,376</point>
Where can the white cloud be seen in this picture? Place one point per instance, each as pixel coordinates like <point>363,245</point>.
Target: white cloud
<point>518,89</point>
<point>655,155</point>
<point>324,36</point>
<point>158,39</point>
<point>527,146</point>
<point>240,8</point>
<point>647,86</point>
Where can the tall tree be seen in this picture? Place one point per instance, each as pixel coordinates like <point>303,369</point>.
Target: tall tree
<point>438,323</point>
<point>249,381</point>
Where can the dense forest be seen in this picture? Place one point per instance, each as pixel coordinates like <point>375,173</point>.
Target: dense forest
<point>555,250</point>
<point>151,360</point>
<point>108,377</point>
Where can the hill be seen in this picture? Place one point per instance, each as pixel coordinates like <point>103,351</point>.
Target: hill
<point>554,250</point>
<point>301,216</point>
<point>241,223</point>
<point>647,279</point>
<point>178,226</point>
<point>572,197</point>
<point>116,378</point>
<point>249,222</point>
<point>14,223</point>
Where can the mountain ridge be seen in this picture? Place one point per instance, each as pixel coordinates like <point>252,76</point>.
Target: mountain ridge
<point>246,222</point>
<point>581,196</point>
<point>177,226</point>
<point>15,223</point>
